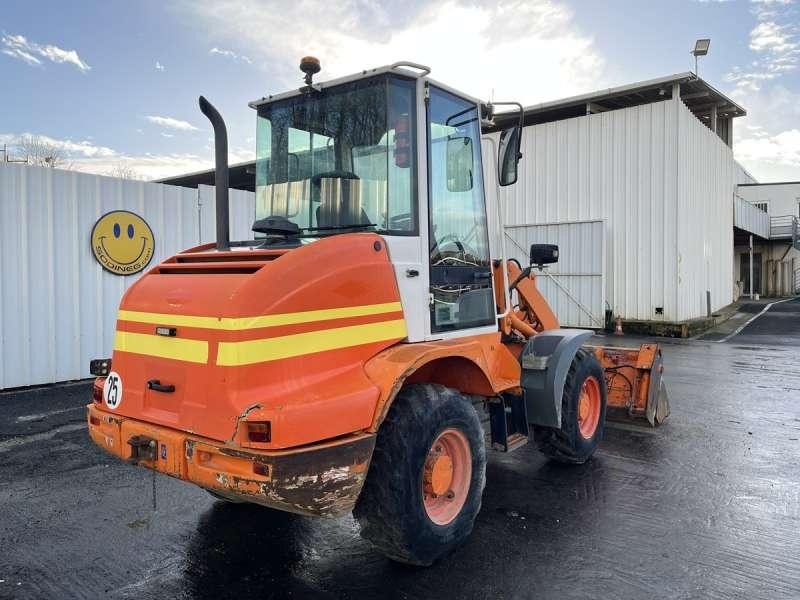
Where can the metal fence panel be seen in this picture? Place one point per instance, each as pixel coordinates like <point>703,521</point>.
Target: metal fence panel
<point>575,286</point>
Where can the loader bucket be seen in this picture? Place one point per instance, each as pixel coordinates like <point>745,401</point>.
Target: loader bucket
<point>657,408</point>
<point>634,383</point>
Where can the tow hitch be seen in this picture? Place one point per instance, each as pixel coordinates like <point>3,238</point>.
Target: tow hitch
<point>142,448</point>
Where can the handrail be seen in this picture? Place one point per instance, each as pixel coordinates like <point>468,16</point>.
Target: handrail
<point>407,63</point>
<point>785,226</point>
<point>501,231</point>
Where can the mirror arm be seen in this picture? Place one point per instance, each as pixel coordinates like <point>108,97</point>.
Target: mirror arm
<point>521,112</point>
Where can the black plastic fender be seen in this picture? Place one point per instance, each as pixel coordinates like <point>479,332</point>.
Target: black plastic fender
<point>545,361</point>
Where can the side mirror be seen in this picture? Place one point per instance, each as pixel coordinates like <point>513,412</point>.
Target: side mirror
<point>509,155</point>
<point>543,254</point>
<point>460,162</point>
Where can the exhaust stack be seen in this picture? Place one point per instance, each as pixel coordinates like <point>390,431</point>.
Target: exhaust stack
<point>220,173</point>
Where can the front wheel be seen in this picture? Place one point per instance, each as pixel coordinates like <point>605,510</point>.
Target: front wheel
<point>424,486</point>
<point>583,413</point>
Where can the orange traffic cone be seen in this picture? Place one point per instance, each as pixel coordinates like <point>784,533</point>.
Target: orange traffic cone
<point>618,327</point>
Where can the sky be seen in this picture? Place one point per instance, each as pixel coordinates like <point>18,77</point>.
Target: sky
<point>116,83</point>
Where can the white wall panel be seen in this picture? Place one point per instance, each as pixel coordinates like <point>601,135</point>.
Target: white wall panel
<point>57,305</point>
<point>242,211</point>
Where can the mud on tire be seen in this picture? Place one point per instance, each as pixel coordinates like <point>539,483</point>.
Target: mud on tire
<point>567,444</point>
<point>391,508</point>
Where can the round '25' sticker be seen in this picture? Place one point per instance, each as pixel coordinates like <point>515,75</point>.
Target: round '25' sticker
<point>112,390</point>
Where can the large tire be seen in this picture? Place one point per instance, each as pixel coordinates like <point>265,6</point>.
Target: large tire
<point>401,510</point>
<point>582,423</point>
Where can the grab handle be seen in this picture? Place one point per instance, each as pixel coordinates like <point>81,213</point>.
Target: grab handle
<point>155,385</point>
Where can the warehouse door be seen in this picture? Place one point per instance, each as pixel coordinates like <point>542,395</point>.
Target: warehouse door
<point>575,286</point>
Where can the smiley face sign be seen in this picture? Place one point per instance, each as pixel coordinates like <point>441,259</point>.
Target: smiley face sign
<point>122,242</point>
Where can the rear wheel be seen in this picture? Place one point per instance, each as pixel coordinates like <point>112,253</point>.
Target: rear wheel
<point>424,486</point>
<point>583,413</point>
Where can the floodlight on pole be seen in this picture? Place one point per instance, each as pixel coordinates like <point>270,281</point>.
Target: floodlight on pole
<point>700,49</point>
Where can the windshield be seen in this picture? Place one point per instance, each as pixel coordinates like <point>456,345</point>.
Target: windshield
<point>340,160</point>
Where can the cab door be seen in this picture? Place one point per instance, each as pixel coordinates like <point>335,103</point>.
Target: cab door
<point>461,298</point>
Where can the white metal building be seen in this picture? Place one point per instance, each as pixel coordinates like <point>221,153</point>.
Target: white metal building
<point>653,162</point>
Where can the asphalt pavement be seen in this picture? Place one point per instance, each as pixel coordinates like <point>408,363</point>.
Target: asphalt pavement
<point>706,506</point>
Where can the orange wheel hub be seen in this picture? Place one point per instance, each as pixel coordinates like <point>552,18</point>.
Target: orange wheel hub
<point>446,476</point>
<point>589,408</point>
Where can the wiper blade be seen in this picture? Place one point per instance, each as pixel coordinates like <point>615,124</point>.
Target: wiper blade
<point>335,227</point>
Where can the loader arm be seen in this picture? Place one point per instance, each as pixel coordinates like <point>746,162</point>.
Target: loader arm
<point>634,384</point>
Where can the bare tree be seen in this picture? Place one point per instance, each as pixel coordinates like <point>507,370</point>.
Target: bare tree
<point>123,171</point>
<point>41,153</point>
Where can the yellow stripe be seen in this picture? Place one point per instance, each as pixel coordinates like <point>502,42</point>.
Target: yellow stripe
<point>195,351</point>
<point>238,324</point>
<point>231,354</point>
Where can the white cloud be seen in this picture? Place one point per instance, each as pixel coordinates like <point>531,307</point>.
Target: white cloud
<point>771,157</point>
<point>766,140</point>
<point>230,54</point>
<point>22,55</point>
<point>529,51</point>
<point>772,37</point>
<point>159,66</point>
<point>80,148</point>
<point>774,40</point>
<point>171,123</point>
<point>18,46</point>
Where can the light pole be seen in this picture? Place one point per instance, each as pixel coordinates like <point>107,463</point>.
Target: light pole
<point>700,49</point>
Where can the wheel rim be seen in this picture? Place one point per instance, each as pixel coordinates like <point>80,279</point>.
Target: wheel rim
<point>589,408</point>
<point>446,476</point>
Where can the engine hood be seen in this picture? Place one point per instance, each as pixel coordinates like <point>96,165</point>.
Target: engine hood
<point>207,341</point>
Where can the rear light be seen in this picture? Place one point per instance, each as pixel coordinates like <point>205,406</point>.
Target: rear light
<point>402,142</point>
<point>97,390</point>
<point>94,420</point>
<point>100,367</point>
<point>259,432</point>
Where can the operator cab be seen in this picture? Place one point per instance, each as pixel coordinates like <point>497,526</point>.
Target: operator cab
<point>392,152</point>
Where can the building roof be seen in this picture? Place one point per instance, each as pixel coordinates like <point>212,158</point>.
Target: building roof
<point>242,176</point>
<point>697,94</point>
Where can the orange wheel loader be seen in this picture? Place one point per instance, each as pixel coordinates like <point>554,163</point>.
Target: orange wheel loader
<point>342,360</point>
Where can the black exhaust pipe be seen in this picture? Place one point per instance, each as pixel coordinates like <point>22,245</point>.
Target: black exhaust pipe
<point>220,173</point>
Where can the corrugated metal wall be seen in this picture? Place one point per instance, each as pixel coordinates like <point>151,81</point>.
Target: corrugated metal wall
<point>707,179</point>
<point>242,213</point>
<point>662,182</point>
<point>57,305</point>
<point>575,286</point>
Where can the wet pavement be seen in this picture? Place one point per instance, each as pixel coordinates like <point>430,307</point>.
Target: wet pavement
<point>707,506</point>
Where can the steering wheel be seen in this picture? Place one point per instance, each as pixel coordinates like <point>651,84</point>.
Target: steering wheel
<point>453,239</point>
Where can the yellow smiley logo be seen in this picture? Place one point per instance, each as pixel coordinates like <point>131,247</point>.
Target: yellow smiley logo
<point>122,242</point>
